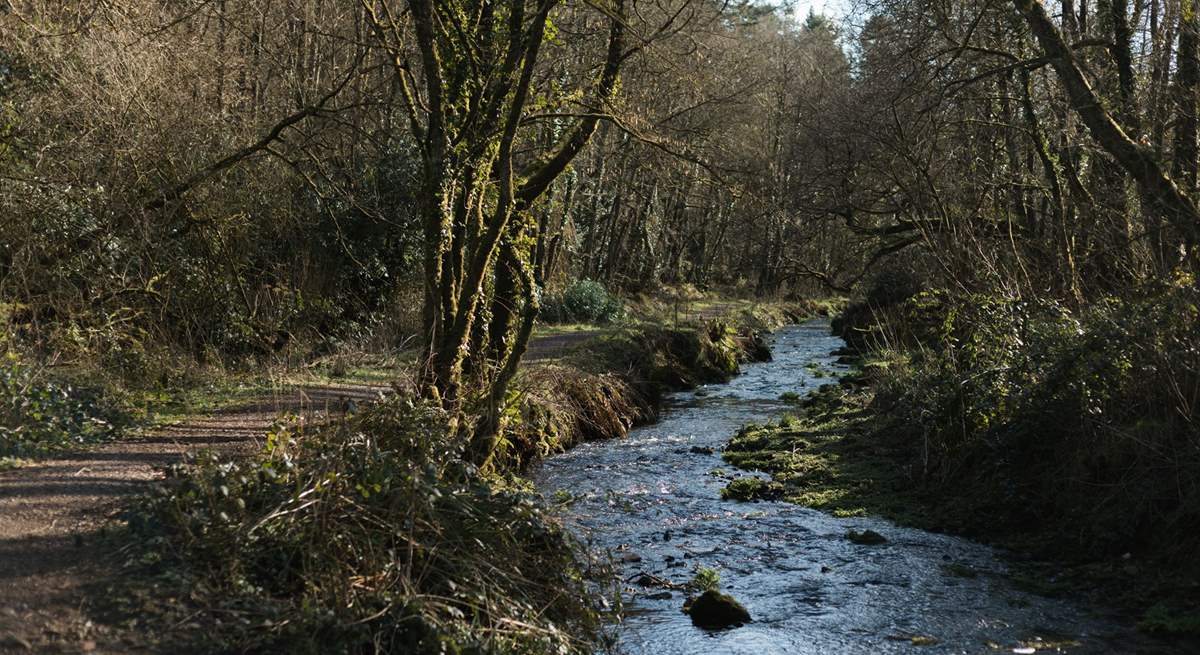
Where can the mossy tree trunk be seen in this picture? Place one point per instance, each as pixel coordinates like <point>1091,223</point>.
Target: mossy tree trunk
<point>1158,191</point>
<point>468,87</point>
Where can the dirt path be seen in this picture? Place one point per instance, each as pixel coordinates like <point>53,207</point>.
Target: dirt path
<point>51,513</point>
<point>555,346</point>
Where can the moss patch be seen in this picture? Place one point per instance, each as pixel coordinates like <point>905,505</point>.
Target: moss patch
<point>747,489</point>
<point>1165,619</point>
<point>828,457</point>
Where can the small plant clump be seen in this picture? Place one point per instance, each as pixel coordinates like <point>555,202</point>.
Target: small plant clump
<point>584,301</point>
<point>39,415</point>
<point>706,579</point>
<point>748,489</point>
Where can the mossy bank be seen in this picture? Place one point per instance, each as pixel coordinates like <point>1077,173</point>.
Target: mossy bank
<point>1065,434</point>
<point>617,379</point>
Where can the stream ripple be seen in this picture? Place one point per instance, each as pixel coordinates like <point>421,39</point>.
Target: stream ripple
<point>652,502</point>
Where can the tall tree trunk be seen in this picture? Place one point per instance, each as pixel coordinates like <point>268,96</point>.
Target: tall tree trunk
<point>1158,190</point>
<point>1187,77</point>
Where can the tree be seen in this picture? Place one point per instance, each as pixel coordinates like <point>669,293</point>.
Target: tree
<point>1158,190</point>
<point>471,85</point>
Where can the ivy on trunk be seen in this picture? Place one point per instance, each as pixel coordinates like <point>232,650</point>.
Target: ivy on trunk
<point>468,74</point>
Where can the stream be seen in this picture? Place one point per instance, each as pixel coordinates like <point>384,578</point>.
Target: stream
<point>652,502</point>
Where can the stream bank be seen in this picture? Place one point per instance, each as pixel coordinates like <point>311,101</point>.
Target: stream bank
<point>652,503</point>
<point>300,542</point>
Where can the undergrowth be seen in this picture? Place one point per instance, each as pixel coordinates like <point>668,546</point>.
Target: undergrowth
<point>40,415</point>
<point>364,536</point>
<point>1071,433</point>
<point>1088,420</point>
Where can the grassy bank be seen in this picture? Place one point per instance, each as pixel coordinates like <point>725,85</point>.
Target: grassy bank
<point>368,535</point>
<point>617,378</point>
<point>1070,435</point>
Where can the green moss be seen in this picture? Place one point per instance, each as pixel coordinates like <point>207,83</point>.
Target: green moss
<point>1164,619</point>
<point>706,579</point>
<point>714,610</point>
<point>748,489</point>
<point>1030,582</point>
<point>826,457</point>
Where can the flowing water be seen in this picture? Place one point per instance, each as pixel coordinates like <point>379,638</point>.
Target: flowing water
<point>652,502</point>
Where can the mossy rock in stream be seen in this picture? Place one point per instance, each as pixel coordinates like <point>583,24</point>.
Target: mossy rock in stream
<point>747,489</point>
<point>714,610</point>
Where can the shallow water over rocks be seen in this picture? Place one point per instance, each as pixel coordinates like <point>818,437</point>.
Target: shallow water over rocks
<point>653,502</point>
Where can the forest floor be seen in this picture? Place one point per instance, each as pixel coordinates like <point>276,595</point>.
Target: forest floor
<point>54,512</point>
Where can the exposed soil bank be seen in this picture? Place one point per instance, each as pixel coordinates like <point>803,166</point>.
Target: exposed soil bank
<point>616,379</point>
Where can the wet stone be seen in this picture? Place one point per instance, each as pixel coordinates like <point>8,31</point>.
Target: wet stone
<point>716,611</point>
<point>866,538</point>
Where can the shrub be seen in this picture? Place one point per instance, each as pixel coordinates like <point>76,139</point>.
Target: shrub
<point>1054,417</point>
<point>859,322</point>
<point>367,535</point>
<point>584,301</point>
<point>39,415</point>
<point>706,579</point>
